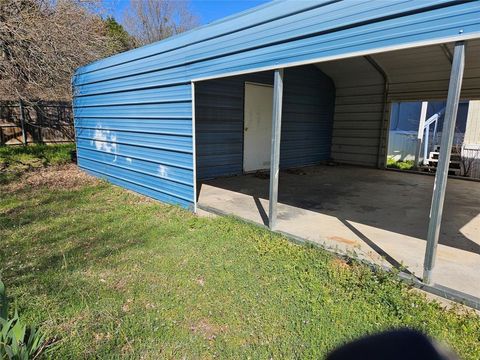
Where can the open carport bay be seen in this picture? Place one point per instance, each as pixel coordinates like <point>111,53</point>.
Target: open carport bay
<point>380,215</point>
<point>338,112</point>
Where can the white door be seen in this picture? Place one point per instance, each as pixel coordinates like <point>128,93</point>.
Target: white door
<point>257,127</point>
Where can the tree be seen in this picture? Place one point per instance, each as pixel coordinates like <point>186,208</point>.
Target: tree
<point>42,42</point>
<point>120,39</point>
<point>153,20</point>
<point>468,160</point>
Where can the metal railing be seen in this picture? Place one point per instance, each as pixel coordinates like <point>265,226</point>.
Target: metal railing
<point>426,138</point>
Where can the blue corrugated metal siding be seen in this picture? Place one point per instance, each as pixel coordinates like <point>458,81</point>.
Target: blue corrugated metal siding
<point>219,124</point>
<point>307,118</point>
<point>139,140</point>
<point>151,84</point>
<point>326,30</point>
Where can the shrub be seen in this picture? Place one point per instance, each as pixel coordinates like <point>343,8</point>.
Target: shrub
<point>402,165</point>
<point>18,341</point>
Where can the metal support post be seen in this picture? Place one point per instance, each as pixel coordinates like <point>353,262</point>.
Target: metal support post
<point>441,176</point>
<point>275,152</point>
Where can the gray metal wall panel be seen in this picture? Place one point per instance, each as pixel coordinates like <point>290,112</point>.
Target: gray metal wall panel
<point>358,110</point>
<point>424,73</point>
<point>360,135</point>
<point>306,120</point>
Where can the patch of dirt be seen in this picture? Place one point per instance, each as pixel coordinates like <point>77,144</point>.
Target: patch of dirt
<point>67,325</point>
<point>126,305</point>
<point>54,177</point>
<point>100,337</point>
<point>340,263</point>
<point>342,240</point>
<point>121,284</point>
<point>206,329</point>
<point>127,348</point>
<point>200,281</point>
<point>138,199</point>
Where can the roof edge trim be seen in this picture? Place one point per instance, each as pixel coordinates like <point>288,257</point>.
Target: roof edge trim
<point>344,56</point>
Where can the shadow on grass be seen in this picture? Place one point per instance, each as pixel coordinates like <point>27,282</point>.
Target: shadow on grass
<point>70,230</point>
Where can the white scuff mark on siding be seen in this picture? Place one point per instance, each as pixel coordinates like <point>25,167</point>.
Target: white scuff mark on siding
<point>106,142</point>
<point>162,171</point>
<point>129,160</point>
<point>98,130</point>
<point>104,138</point>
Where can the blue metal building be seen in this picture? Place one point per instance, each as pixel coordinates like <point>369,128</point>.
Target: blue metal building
<point>134,115</point>
<point>159,118</point>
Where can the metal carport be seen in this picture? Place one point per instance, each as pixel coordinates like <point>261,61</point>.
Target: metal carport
<point>135,113</point>
<point>365,86</point>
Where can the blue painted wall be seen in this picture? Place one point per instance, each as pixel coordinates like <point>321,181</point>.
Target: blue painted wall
<point>307,118</point>
<point>133,111</point>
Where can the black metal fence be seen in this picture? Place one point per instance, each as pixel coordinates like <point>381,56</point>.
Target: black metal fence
<point>40,122</point>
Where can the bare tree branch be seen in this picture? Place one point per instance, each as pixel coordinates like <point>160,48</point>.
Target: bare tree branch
<point>153,20</point>
<point>42,42</point>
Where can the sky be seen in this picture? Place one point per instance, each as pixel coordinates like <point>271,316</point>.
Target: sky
<point>211,10</point>
<point>206,10</point>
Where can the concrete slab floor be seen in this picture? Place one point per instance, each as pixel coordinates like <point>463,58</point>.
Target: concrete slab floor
<point>380,215</point>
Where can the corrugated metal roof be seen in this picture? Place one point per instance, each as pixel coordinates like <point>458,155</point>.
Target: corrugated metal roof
<point>150,86</point>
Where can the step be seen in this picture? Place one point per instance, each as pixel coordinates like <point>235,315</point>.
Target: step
<point>451,161</point>
<point>453,156</point>
<point>449,169</point>
<point>456,172</point>
<point>434,165</point>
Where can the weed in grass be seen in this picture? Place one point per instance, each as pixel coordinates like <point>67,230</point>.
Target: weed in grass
<point>18,340</point>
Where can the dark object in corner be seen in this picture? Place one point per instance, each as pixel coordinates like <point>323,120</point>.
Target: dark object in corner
<point>264,175</point>
<point>73,156</point>
<point>393,345</point>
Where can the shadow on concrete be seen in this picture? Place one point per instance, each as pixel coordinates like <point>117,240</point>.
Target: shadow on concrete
<point>376,248</point>
<point>392,201</point>
<point>261,211</point>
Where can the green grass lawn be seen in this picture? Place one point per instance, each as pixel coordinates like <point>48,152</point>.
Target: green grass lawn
<point>15,160</point>
<point>112,274</point>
